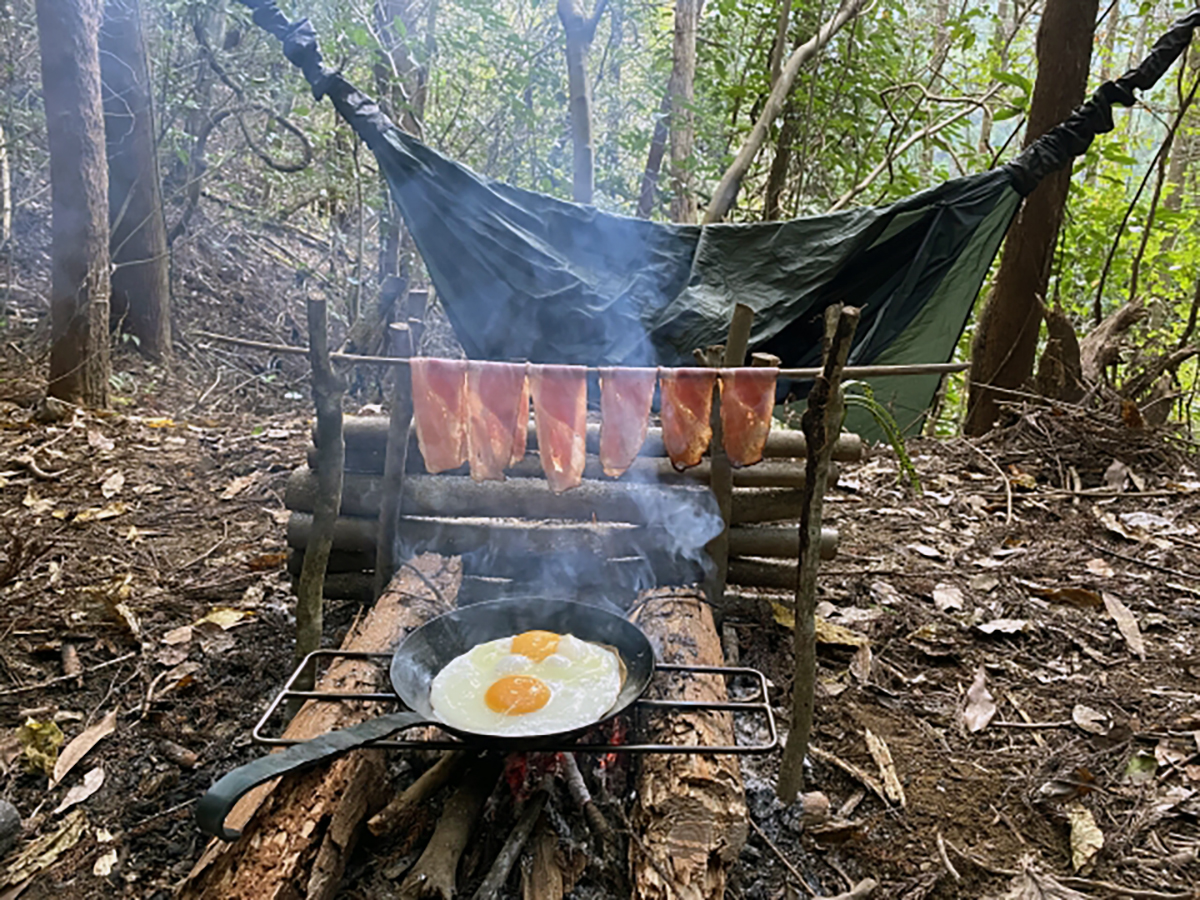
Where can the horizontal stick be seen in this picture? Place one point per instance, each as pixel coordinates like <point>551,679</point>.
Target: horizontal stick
<point>454,537</point>
<point>530,498</point>
<point>813,372</point>
<point>782,443</point>
<point>769,473</point>
<point>771,573</point>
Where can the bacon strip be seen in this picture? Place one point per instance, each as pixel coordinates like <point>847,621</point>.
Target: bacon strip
<point>560,412</point>
<point>521,430</point>
<point>439,391</point>
<point>494,392</point>
<point>686,414</point>
<point>625,398</point>
<point>747,401</point>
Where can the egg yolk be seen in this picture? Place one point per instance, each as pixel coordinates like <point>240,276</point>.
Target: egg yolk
<point>515,695</point>
<point>537,645</point>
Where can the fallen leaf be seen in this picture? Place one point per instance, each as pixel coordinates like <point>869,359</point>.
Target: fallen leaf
<point>35,504</point>
<point>1003,626</point>
<point>226,618</point>
<point>1116,476</point>
<point>947,597</point>
<point>111,486</point>
<point>172,655</point>
<point>1033,884</point>
<point>44,851</point>
<point>180,635</point>
<point>181,676</point>
<point>98,441</point>
<point>161,422</point>
<point>81,744</point>
<point>105,863</point>
<point>278,516</point>
<point>884,593</point>
<point>925,550</point>
<point>1078,597</point>
<point>39,745</point>
<point>238,485</point>
<point>90,784</point>
<point>981,705</point>
<point>100,513</point>
<point>1090,720</point>
<point>1086,836</point>
<point>985,583</point>
<point>1127,624</point>
<point>883,758</point>
<point>266,561</point>
<point>1100,567</point>
<point>838,635</point>
<point>860,664</point>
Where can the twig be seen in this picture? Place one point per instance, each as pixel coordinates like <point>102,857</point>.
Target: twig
<point>429,584</point>
<point>1008,495</point>
<point>783,859</point>
<point>31,464</point>
<point>941,845</point>
<point>396,813</point>
<point>1031,724</point>
<point>1141,562</point>
<point>1136,893</point>
<point>850,769</point>
<point>61,678</point>
<point>583,798</point>
<point>507,857</point>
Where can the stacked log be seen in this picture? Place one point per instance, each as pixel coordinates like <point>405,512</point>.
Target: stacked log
<point>617,529</point>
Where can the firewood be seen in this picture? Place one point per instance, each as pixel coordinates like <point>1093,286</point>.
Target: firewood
<point>542,878</point>
<point>397,813</point>
<point>607,501</point>
<point>433,876</point>
<point>691,808</point>
<point>513,845</point>
<point>370,433</point>
<point>298,833</point>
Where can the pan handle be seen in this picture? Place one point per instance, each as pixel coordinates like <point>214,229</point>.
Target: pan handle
<point>215,805</point>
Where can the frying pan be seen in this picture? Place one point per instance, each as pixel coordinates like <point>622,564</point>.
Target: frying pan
<point>423,654</point>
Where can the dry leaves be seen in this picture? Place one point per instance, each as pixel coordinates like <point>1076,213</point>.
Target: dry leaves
<point>947,597</point>
<point>81,744</point>
<point>112,484</point>
<point>1090,720</point>
<point>44,851</point>
<point>1086,836</point>
<point>1033,884</point>
<point>1126,624</point>
<point>76,795</point>
<point>39,743</point>
<point>883,758</point>
<point>981,705</point>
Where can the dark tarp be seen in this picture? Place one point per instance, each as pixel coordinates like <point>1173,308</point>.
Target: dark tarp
<point>526,276</point>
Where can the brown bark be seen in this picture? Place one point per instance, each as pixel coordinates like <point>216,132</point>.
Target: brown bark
<point>682,92</point>
<point>298,833</point>
<point>396,460</point>
<point>5,190</point>
<point>141,289</point>
<point>654,158</point>
<point>68,33</point>
<point>1185,145</point>
<point>777,176</point>
<point>579,31</point>
<point>1002,354</point>
<point>691,809</point>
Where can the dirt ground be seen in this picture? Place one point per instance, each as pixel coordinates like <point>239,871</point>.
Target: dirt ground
<point>1028,657</point>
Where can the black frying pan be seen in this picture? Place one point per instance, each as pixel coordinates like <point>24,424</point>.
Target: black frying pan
<point>417,660</point>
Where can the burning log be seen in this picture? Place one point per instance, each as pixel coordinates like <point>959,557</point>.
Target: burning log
<point>522,539</point>
<point>433,876</point>
<point>298,833</point>
<point>369,433</point>
<point>398,813</point>
<point>691,809</point>
<point>606,501</point>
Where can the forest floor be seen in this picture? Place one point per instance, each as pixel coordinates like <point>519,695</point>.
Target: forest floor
<point>145,611</point>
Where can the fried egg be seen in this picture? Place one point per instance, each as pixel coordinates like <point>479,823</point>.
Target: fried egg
<point>533,683</point>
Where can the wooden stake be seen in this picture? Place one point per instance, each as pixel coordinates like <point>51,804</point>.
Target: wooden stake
<point>820,423</point>
<point>395,461</point>
<point>327,388</point>
<point>721,478</point>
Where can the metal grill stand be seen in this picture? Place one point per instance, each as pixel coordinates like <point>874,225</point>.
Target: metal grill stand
<point>754,702</point>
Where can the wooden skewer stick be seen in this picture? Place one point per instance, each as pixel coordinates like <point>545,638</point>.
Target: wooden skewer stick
<point>848,371</point>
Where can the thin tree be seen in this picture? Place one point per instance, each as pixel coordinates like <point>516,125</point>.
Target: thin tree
<point>682,93</point>
<point>68,36</point>
<point>1005,344</point>
<point>141,285</point>
<point>580,30</point>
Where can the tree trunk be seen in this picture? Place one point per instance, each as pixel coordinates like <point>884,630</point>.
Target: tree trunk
<point>683,119</point>
<point>1183,148</point>
<point>68,33</point>
<point>654,158</point>
<point>579,32</point>
<point>1006,339</point>
<point>941,47</point>
<point>141,287</point>
<point>5,190</point>
<point>777,177</point>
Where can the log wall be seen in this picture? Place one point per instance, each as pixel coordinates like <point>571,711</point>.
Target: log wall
<point>606,533</point>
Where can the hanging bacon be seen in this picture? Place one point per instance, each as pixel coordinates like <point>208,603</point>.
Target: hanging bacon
<point>625,398</point>
<point>494,392</point>
<point>560,413</point>
<point>747,401</point>
<point>521,430</point>
<point>686,414</point>
<point>439,391</point>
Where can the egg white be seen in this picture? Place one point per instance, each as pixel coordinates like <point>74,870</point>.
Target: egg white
<point>584,681</point>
